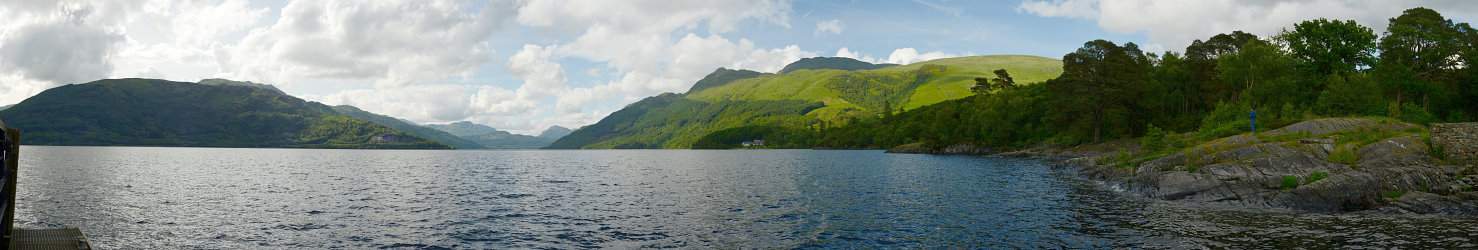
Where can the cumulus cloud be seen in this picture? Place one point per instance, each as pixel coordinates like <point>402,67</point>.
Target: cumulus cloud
<point>656,46</point>
<point>902,56</point>
<point>72,46</point>
<point>1175,24</point>
<point>392,43</point>
<point>909,55</point>
<point>844,52</point>
<point>833,26</point>
<point>1085,9</point>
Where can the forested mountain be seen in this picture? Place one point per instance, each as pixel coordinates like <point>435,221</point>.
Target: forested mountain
<point>150,112</point>
<point>805,98</point>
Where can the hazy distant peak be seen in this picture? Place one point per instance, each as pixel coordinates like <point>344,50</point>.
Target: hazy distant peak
<point>555,132</point>
<point>464,128</point>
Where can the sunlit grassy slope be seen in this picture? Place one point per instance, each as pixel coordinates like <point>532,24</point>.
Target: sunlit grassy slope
<point>806,98</point>
<point>954,83</point>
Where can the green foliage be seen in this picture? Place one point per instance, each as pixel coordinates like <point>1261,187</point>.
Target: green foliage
<point>1192,160</point>
<point>1289,181</point>
<point>1316,176</point>
<point>1353,94</point>
<point>1153,140</point>
<point>1002,81</point>
<point>1226,120</point>
<point>1122,159</point>
<point>1410,112</point>
<point>1330,47</point>
<point>1344,154</point>
<point>1393,194</point>
<point>1266,74</point>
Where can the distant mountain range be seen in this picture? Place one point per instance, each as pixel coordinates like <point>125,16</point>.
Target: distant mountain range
<point>225,113</point>
<point>489,137</point>
<point>808,94</point>
<point>213,113</point>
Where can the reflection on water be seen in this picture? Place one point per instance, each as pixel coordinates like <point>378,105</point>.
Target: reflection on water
<point>253,198</point>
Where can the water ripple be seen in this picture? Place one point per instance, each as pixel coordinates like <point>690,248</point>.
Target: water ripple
<point>174,198</point>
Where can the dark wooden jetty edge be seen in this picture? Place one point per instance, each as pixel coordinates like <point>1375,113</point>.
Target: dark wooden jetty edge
<point>16,238</point>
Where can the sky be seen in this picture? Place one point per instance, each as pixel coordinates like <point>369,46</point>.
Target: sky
<point>522,66</point>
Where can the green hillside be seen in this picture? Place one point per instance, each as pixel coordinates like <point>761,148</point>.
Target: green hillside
<point>146,112</point>
<point>804,98</point>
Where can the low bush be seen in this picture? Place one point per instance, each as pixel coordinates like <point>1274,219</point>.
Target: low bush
<point>1316,176</point>
<point>1344,154</point>
<point>1289,181</point>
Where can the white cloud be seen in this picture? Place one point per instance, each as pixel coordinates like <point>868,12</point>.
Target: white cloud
<point>844,52</point>
<point>1085,9</point>
<point>833,26</point>
<point>392,43</point>
<point>656,46</point>
<point>1175,24</point>
<point>200,24</point>
<point>150,72</point>
<point>71,44</point>
<point>906,56</point>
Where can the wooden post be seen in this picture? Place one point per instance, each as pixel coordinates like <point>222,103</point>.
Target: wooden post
<point>12,162</point>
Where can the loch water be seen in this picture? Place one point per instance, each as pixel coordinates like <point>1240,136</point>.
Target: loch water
<point>228,198</point>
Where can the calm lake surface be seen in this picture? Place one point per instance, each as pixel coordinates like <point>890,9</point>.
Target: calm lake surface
<point>129,197</point>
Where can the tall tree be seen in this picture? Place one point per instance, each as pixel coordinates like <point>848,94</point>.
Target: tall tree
<point>1326,47</point>
<point>1422,50</point>
<point>1095,82</point>
<point>1200,62</point>
<point>1263,74</point>
<point>1003,80</point>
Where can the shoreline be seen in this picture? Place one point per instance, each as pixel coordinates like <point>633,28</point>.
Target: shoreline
<point>1295,168</point>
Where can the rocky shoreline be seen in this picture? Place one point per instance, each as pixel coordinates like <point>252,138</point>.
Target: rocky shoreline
<point>1313,166</point>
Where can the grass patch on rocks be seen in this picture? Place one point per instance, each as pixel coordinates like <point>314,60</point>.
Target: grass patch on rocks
<point>1289,181</point>
<point>1316,176</point>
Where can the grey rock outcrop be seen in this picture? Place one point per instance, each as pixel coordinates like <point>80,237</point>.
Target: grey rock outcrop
<point>1298,173</point>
